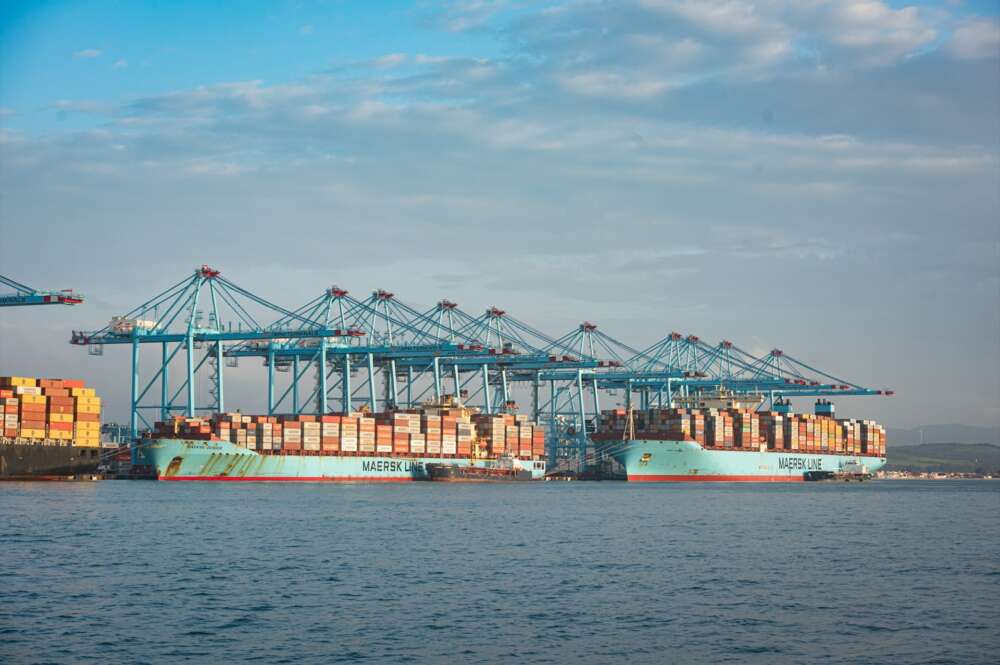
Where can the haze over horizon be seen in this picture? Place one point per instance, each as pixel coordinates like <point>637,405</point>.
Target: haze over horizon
<point>821,177</point>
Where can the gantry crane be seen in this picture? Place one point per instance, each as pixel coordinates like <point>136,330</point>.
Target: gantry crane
<point>406,355</point>
<point>25,295</point>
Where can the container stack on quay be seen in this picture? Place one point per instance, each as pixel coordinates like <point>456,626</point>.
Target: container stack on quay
<point>430,431</point>
<point>742,429</point>
<point>50,411</point>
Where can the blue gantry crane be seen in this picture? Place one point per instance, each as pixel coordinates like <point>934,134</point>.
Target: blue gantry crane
<point>25,295</point>
<point>202,312</point>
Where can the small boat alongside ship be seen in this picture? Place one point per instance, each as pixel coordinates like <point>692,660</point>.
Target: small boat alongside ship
<point>506,470</point>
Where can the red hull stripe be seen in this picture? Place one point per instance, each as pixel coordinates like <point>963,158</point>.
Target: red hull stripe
<point>718,479</point>
<point>294,479</point>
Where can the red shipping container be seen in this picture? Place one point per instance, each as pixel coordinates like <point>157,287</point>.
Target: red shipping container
<point>63,427</point>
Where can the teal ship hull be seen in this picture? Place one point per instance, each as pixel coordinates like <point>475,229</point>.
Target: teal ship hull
<point>185,459</point>
<point>673,461</point>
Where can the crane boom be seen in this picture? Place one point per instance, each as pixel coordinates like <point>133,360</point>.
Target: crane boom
<point>25,295</point>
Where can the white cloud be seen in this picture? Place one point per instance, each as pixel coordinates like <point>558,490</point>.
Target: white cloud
<point>976,38</point>
<point>424,59</point>
<point>120,64</point>
<point>87,53</point>
<point>612,85</point>
<point>882,33</point>
<point>389,60</point>
<point>84,106</point>
<point>463,15</point>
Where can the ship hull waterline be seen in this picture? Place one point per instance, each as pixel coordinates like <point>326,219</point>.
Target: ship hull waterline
<point>31,461</point>
<point>687,461</point>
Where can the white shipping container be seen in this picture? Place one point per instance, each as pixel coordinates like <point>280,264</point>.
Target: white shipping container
<point>416,446</point>
<point>310,445</point>
<point>366,446</point>
<point>310,439</point>
<point>384,448</point>
<point>434,447</point>
<point>448,447</point>
<point>349,444</point>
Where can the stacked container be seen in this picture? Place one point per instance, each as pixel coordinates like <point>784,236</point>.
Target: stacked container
<point>57,411</point>
<point>747,430</point>
<point>428,432</point>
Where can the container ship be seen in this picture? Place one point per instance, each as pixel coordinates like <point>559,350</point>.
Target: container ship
<point>51,429</point>
<point>738,444</point>
<point>393,446</point>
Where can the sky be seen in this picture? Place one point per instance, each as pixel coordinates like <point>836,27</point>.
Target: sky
<point>820,177</point>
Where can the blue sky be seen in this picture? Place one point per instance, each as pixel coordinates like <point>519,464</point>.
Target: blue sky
<point>818,176</point>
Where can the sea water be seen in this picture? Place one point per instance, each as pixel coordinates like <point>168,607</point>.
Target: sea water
<point>556,572</point>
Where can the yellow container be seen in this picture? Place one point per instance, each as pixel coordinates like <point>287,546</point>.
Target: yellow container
<point>18,381</point>
<point>82,392</point>
<point>28,433</point>
<point>92,401</point>
<point>88,408</point>
<point>87,443</point>
<point>33,399</point>
<point>88,425</point>
<point>60,417</point>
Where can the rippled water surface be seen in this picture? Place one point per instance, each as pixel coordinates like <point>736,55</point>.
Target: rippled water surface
<point>130,572</point>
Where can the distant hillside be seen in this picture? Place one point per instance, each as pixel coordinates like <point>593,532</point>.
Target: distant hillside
<point>943,434</point>
<point>944,457</point>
